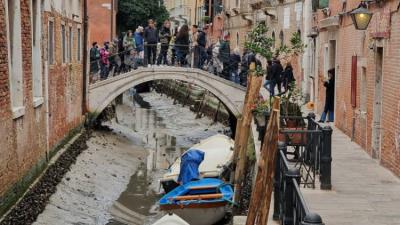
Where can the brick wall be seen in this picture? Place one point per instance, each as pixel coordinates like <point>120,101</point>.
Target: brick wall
<point>65,81</point>
<point>100,22</point>
<point>350,42</point>
<point>23,140</point>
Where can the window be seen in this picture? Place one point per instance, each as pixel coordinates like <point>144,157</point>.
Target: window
<point>36,53</point>
<point>63,45</point>
<point>273,39</point>
<point>79,45</point>
<point>70,43</point>
<point>282,38</point>
<point>51,43</point>
<point>363,94</point>
<point>13,11</point>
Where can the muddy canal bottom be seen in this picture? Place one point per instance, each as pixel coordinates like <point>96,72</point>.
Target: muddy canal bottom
<point>116,180</point>
<point>166,131</point>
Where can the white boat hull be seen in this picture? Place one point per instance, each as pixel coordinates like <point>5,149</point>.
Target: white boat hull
<point>201,216</point>
<point>218,155</point>
<point>171,219</point>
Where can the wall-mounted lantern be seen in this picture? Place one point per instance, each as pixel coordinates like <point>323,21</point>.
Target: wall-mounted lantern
<point>361,17</point>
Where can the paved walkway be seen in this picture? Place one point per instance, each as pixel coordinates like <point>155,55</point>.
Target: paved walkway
<point>363,191</point>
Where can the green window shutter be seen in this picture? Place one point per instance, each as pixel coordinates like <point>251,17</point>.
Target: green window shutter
<point>323,4</point>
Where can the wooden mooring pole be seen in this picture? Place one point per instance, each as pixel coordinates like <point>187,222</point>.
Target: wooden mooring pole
<point>262,191</point>
<point>243,130</point>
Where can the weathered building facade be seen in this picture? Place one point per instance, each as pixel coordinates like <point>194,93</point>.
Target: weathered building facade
<point>367,104</point>
<point>102,20</point>
<point>283,18</point>
<point>40,86</point>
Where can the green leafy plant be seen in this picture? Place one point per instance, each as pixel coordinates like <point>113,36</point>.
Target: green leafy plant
<point>292,101</point>
<point>205,19</point>
<point>261,107</point>
<point>261,44</point>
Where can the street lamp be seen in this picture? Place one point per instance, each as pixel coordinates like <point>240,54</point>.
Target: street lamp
<point>361,17</point>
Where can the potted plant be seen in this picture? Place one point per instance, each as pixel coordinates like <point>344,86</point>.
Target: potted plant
<point>291,103</point>
<point>291,107</point>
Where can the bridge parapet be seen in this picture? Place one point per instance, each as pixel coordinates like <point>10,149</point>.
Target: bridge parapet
<point>102,93</point>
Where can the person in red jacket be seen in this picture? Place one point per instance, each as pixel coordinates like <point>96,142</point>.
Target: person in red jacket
<point>104,61</point>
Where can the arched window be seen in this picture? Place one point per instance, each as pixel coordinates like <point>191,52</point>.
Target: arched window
<point>281,38</point>
<point>273,39</point>
<point>237,39</point>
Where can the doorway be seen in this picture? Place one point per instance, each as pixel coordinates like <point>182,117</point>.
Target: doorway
<point>332,65</point>
<point>377,108</point>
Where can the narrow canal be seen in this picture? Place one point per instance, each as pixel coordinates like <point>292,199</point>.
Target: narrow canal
<point>116,180</point>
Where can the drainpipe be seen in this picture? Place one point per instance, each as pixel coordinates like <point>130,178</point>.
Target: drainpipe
<point>112,21</point>
<point>85,59</point>
<point>307,53</point>
<point>195,13</point>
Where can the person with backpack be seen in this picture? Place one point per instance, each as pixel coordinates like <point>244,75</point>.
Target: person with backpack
<point>165,38</point>
<point>94,59</point>
<point>224,56</point>
<point>139,41</point>
<point>129,41</point>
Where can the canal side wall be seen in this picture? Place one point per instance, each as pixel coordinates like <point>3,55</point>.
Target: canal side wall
<point>32,132</point>
<point>199,100</point>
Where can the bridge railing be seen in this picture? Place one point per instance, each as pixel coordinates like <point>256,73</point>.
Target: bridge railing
<point>189,56</point>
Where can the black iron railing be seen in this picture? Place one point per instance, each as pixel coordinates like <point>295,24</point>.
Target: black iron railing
<point>290,208</point>
<point>310,146</point>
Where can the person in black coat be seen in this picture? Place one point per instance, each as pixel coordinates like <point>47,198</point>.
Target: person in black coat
<point>276,73</point>
<point>182,45</point>
<point>288,77</point>
<point>329,97</point>
<point>268,77</point>
<point>234,66</point>
<point>150,42</point>
<point>165,38</point>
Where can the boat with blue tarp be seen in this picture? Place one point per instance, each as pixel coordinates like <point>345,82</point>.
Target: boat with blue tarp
<point>199,202</point>
<point>217,157</point>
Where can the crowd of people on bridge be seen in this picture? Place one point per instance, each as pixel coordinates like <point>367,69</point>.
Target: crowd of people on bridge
<point>184,47</point>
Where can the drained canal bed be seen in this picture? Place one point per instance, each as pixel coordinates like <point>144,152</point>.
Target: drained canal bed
<point>115,181</point>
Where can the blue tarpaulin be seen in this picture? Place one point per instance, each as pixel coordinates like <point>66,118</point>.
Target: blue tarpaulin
<point>190,162</point>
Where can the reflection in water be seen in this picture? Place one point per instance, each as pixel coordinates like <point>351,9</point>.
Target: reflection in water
<point>166,130</point>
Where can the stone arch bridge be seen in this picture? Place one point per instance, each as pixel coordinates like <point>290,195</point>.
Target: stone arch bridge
<point>102,93</point>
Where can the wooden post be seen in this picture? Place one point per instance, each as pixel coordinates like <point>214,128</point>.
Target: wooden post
<point>253,90</point>
<point>262,191</point>
<point>217,112</point>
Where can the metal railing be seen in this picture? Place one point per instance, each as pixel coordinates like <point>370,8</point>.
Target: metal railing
<point>188,56</point>
<point>311,148</point>
<point>290,208</point>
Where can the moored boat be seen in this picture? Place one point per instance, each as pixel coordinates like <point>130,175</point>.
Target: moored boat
<point>218,153</point>
<point>170,219</point>
<point>200,202</point>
